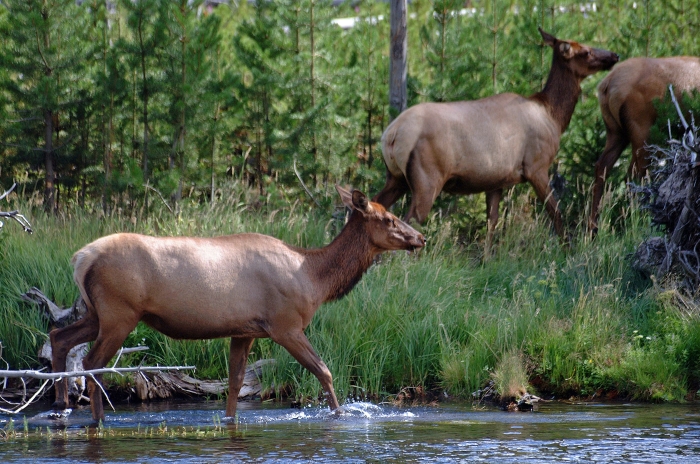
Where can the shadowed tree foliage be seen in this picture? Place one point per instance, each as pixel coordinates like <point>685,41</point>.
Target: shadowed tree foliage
<point>103,101</point>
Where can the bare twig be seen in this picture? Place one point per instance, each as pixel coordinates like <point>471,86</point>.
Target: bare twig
<point>688,139</point>
<point>24,404</point>
<point>160,195</point>
<point>303,184</point>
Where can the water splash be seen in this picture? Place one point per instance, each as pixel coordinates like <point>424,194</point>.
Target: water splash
<point>348,412</point>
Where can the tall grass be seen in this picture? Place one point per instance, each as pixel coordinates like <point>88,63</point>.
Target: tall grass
<point>575,319</point>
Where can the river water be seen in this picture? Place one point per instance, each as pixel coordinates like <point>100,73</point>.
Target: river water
<point>450,432</point>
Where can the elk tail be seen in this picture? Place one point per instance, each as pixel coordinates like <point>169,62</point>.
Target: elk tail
<point>82,263</point>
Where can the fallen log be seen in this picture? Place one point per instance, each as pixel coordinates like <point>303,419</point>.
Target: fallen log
<point>163,385</point>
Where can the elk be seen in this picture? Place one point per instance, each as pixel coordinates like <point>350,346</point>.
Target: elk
<point>490,144</point>
<point>243,286</point>
<point>626,97</point>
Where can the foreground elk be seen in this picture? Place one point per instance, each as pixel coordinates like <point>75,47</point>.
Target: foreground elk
<point>489,144</point>
<point>626,98</point>
<point>244,286</point>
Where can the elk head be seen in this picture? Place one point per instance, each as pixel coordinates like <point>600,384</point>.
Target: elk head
<point>581,59</point>
<point>386,231</point>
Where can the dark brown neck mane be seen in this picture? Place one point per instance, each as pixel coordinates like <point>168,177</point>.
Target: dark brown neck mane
<point>339,266</point>
<point>560,93</point>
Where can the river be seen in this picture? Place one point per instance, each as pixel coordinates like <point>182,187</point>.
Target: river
<point>194,431</point>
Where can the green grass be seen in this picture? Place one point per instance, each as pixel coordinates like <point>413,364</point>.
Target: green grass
<point>569,319</point>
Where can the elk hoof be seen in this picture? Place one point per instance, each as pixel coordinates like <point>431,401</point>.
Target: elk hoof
<point>59,406</point>
<point>59,415</point>
<point>338,412</point>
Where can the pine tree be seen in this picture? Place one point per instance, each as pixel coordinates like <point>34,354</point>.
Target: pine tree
<point>367,89</point>
<point>141,48</point>
<point>43,54</point>
<point>258,49</point>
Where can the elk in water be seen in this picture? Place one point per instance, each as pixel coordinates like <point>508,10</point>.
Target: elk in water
<point>626,97</point>
<point>489,144</point>
<point>243,286</point>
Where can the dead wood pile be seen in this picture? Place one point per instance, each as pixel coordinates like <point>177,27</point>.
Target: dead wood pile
<point>673,200</point>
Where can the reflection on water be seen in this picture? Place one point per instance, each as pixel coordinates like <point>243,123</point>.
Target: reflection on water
<point>195,432</point>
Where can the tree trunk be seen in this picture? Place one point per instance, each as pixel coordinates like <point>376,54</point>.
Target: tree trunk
<point>312,46</point>
<point>50,176</point>
<point>397,60</point>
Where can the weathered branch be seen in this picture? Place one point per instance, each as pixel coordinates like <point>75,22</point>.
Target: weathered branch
<point>34,374</point>
<point>294,165</point>
<point>15,215</point>
<point>8,192</point>
<point>160,195</point>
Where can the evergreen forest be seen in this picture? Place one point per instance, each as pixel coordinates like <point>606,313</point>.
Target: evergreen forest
<point>108,103</point>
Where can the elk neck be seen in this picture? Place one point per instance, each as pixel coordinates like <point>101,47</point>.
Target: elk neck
<point>561,92</point>
<point>339,266</point>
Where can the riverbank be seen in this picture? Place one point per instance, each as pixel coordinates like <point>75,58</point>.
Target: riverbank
<point>570,320</point>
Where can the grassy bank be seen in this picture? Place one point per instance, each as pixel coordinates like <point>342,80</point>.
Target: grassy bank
<point>569,320</point>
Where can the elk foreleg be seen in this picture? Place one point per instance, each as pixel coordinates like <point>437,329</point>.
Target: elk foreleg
<point>62,341</point>
<point>299,347</point>
<point>493,200</point>
<point>614,144</point>
<point>540,182</point>
<point>238,357</point>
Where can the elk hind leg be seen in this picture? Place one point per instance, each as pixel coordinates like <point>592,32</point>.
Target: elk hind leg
<point>425,182</point>
<point>394,189</point>
<point>238,358</point>
<point>62,341</point>
<point>109,340</point>
<point>615,143</point>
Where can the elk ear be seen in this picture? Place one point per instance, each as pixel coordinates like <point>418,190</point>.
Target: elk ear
<point>549,39</point>
<point>565,49</point>
<point>355,200</point>
<point>360,202</point>
<point>345,196</point>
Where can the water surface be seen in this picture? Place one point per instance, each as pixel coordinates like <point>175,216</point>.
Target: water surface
<point>449,432</point>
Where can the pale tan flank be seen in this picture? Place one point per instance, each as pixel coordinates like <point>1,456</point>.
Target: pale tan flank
<point>626,100</point>
<point>489,144</point>
<point>242,286</point>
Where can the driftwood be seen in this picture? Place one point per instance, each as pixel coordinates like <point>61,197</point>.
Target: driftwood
<point>15,215</point>
<point>61,317</point>
<point>516,400</point>
<point>165,385</point>
<point>673,199</point>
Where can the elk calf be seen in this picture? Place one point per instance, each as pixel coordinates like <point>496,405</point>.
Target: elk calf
<point>243,286</point>
<point>489,144</point>
<point>626,98</point>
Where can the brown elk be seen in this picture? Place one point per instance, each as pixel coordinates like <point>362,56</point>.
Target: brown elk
<point>489,144</point>
<point>626,98</point>
<point>243,286</point>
